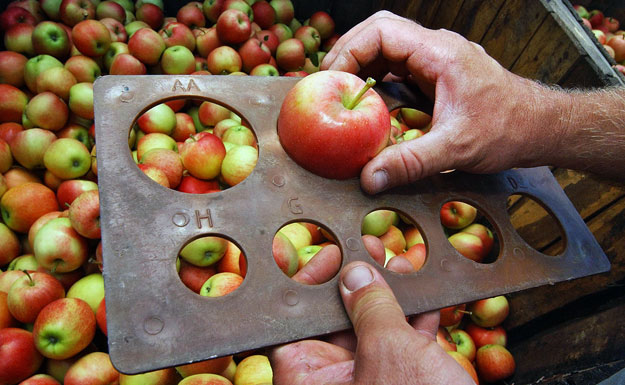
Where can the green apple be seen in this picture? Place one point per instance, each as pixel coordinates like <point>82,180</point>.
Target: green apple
<point>67,158</point>
<point>306,253</point>
<point>204,251</point>
<point>90,289</point>
<point>378,222</point>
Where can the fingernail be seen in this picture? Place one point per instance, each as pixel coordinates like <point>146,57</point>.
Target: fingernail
<point>357,278</point>
<point>380,180</point>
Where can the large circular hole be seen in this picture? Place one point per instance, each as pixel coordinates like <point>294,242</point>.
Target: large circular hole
<point>194,146</point>
<point>469,231</point>
<point>399,236</point>
<point>306,252</point>
<point>538,227</point>
<point>211,266</point>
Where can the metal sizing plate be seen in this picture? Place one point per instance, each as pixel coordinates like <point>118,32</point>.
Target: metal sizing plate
<point>154,321</point>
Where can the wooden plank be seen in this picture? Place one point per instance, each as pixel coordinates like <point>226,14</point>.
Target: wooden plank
<point>512,29</point>
<point>581,75</point>
<point>446,14</point>
<point>428,11</point>
<point>589,195</point>
<point>475,17</point>
<point>608,228</point>
<point>405,8</point>
<point>588,374</point>
<point>579,343</point>
<point>549,54</point>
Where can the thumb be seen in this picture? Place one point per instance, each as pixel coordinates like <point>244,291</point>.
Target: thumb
<point>369,301</point>
<point>407,162</point>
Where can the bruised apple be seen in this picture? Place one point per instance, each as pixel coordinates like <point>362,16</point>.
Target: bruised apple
<point>332,124</point>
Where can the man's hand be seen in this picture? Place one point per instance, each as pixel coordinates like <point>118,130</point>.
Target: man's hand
<point>383,348</point>
<point>485,118</point>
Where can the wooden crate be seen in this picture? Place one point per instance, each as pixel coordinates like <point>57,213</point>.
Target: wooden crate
<point>570,332</point>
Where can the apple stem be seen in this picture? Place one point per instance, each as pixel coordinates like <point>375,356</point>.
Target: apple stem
<point>465,312</point>
<point>29,277</point>
<point>55,265</point>
<point>368,84</point>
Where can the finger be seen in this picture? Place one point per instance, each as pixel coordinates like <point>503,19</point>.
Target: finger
<point>345,339</point>
<point>400,265</point>
<point>375,248</point>
<point>321,268</point>
<point>300,362</point>
<point>426,323</point>
<point>407,162</point>
<point>369,301</point>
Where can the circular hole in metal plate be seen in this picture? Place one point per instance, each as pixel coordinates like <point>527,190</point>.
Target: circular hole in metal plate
<point>193,146</point>
<point>400,236</point>
<point>536,224</point>
<point>307,252</point>
<point>211,266</point>
<point>469,231</point>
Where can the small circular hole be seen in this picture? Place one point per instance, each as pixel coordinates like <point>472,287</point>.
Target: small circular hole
<point>306,252</point>
<point>399,236</point>
<point>538,227</point>
<point>469,231</point>
<point>211,266</point>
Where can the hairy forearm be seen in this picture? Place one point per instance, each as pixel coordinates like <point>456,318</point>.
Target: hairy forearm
<point>587,131</point>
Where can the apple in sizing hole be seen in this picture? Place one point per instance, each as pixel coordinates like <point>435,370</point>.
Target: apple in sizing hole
<point>469,245</point>
<point>168,161</point>
<point>457,215</point>
<point>394,240</point>
<point>233,261</point>
<point>204,251</point>
<point>203,157</point>
<point>416,255</point>
<point>155,140</point>
<point>489,312</point>
<point>205,379</point>
<point>31,293</point>
<point>221,284</point>
<point>306,253</point>
<point>194,276</point>
<point>285,254</point>
<point>378,222</point>
<point>63,328</point>
<point>355,125</point>
<point>192,185</point>
<point>238,164</point>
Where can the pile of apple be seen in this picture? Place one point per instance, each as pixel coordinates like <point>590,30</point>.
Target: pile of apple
<point>607,31</point>
<point>52,309</point>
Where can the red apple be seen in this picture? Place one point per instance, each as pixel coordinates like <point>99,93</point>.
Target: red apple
<point>618,44</point>
<point>596,18</point>
<point>416,255</point>
<point>83,68</point>
<point>233,261</point>
<point>238,164</point>
<point>165,376</point>
<point>175,33</point>
<point>6,319</point>
<point>168,161</point>
<point>457,215</point>
<point>150,14</point>
<point>184,127</point>
<point>291,55</point>
<point>91,38</point>
<point>12,68</point>
<point>117,31</point>
<point>360,120</point>
<point>323,23</point>
<point>214,366</point>
<point>205,379</point>
<point>484,233</point>
<point>192,185</point>
<point>73,12</point>
<point>443,338</point>
<point>264,14</point>
<point>146,45</point>
<point>29,146</point>
<point>285,254</point>
<point>58,247</point>
<point>394,240</point>
<point>13,102</point>
<point>19,213</point>
<point>489,312</point>
<point>155,140</point>
<point>126,64</point>
<point>158,119</point>
<point>19,39</point>
<point>191,15</point>
<point>63,328</point>
<point>221,284</point>
<point>233,27</point>
<point>154,173</point>
<point>494,363</point>
<point>203,158</point>
<point>92,369</point>
<point>40,379</point>
<point>487,336</point>
<point>18,357</point>
<point>269,39</point>
<point>466,365</point>
<point>57,80</point>
<point>284,10</point>
<point>84,214</point>
<point>206,40</point>
<point>600,35</point>
<point>469,245</point>
<point>194,276</point>
<point>212,9</point>
<point>452,315</point>
<point>12,16</point>
<point>31,293</point>
<point>9,245</point>
<point>310,37</point>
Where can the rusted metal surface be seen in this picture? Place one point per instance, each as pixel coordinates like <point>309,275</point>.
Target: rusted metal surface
<point>154,321</point>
